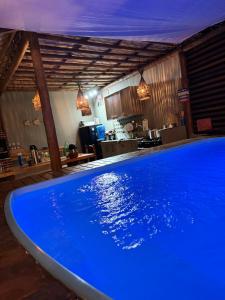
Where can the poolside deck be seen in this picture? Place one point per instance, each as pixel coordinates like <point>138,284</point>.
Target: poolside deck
<point>20,276</point>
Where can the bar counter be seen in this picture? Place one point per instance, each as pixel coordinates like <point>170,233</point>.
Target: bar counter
<point>23,171</point>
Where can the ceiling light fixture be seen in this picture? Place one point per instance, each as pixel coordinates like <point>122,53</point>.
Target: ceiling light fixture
<point>143,89</point>
<point>82,101</point>
<point>36,101</point>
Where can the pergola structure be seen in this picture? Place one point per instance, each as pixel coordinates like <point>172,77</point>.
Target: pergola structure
<point>30,61</point>
<point>71,60</point>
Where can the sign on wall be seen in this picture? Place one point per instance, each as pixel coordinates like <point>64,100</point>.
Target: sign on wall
<point>183,95</point>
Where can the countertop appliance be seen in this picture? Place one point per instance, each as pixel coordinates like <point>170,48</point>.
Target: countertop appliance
<point>148,143</point>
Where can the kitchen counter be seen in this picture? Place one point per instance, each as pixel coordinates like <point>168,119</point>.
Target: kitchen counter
<point>170,135</point>
<point>116,147</point>
<point>22,171</point>
<point>118,141</point>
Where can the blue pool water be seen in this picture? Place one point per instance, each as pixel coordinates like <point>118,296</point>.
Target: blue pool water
<point>149,228</point>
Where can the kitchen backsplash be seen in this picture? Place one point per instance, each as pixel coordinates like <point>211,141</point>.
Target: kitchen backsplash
<point>119,126</point>
<point>120,131</point>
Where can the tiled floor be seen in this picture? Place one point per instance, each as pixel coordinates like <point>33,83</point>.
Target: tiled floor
<point>20,277</point>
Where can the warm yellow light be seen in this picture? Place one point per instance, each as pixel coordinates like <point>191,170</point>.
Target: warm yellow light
<point>143,90</point>
<point>81,102</point>
<point>36,101</point>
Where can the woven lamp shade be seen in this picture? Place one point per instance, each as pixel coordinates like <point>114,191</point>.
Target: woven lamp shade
<point>81,102</point>
<point>36,101</point>
<point>143,90</point>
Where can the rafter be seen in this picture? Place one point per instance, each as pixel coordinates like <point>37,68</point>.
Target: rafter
<point>73,56</point>
<point>68,60</point>
<point>15,54</point>
<point>7,44</point>
<point>64,49</point>
<point>63,72</point>
<point>102,45</point>
<point>85,62</point>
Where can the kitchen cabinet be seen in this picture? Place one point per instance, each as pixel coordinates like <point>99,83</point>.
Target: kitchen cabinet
<point>130,103</point>
<point>124,103</point>
<point>113,106</point>
<point>170,135</point>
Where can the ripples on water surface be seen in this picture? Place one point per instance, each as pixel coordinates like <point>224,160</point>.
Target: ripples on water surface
<point>130,215</point>
<point>150,228</point>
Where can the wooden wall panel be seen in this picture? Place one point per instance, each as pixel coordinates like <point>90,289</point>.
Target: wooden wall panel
<point>131,105</point>
<point>164,78</point>
<point>17,107</point>
<point>113,106</point>
<point>206,73</point>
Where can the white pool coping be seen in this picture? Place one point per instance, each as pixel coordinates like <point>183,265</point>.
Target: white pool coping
<point>81,288</point>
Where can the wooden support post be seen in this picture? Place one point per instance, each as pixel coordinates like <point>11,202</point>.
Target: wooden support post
<point>2,127</point>
<point>45,103</point>
<point>185,85</point>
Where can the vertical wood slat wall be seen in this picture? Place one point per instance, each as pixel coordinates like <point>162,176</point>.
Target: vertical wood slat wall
<point>131,105</point>
<point>206,74</point>
<point>164,77</point>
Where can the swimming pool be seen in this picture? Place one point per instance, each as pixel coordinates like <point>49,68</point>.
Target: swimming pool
<point>151,227</point>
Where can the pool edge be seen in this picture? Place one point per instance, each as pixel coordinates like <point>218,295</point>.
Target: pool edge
<point>69,279</point>
<point>80,287</point>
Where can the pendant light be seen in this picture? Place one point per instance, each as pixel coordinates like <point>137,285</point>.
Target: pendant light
<point>36,101</point>
<point>81,102</point>
<point>143,89</point>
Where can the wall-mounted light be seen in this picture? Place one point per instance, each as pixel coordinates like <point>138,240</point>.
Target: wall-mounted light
<point>92,93</point>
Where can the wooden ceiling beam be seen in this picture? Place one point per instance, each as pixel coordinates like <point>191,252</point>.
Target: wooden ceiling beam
<point>63,78</point>
<point>6,30</point>
<point>96,59</point>
<point>62,72</point>
<point>7,45</point>
<point>90,43</point>
<point>72,82</point>
<point>93,52</point>
<point>53,87</point>
<point>98,71</point>
<point>54,63</point>
<point>96,62</point>
<point>139,66</point>
<point>57,67</point>
<point>57,81</point>
<point>106,41</point>
<point>16,52</point>
<point>90,61</point>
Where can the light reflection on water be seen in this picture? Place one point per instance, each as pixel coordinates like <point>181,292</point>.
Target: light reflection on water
<point>129,215</point>
<point>149,226</point>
